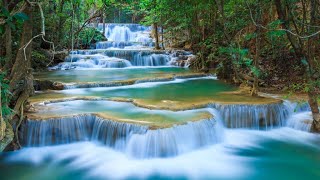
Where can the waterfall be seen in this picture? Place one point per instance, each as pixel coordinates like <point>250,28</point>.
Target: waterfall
<point>302,118</point>
<point>176,140</point>
<point>127,45</point>
<point>301,121</point>
<point>114,63</point>
<point>57,131</point>
<point>150,60</point>
<point>254,116</point>
<point>127,33</point>
<point>122,44</point>
<point>136,140</point>
<point>77,128</point>
<point>115,59</point>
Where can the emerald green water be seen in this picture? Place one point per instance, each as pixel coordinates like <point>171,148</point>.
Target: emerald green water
<point>179,90</point>
<point>182,93</point>
<point>107,75</point>
<point>123,112</point>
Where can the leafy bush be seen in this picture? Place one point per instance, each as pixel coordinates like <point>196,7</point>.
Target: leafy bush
<point>90,35</point>
<point>5,95</point>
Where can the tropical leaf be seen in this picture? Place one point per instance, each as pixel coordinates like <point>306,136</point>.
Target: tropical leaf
<point>21,16</point>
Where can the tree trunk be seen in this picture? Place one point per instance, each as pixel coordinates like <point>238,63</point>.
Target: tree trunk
<point>103,22</point>
<point>2,123</point>
<point>312,100</point>
<point>21,84</point>
<point>313,62</point>
<point>162,40</point>
<point>254,91</point>
<point>8,39</point>
<point>8,43</point>
<point>60,24</point>
<point>283,17</point>
<point>156,35</point>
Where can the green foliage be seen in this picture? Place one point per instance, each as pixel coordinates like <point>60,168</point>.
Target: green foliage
<point>21,16</point>
<point>274,24</point>
<point>276,33</point>
<point>250,36</point>
<point>304,62</point>
<point>90,35</point>
<point>5,95</point>
<point>10,19</point>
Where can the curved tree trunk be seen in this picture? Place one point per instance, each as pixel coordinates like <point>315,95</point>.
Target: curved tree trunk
<point>21,84</point>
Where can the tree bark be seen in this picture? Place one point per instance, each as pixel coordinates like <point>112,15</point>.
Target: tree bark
<point>8,43</point>
<point>21,84</point>
<point>60,23</point>
<point>156,35</point>
<point>8,39</point>
<point>103,22</point>
<point>254,91</point>
<point>313,61</point>
<point>2,123</point>
<point>285,25</point>
<point>162,38</point>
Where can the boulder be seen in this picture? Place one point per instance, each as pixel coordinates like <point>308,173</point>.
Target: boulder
<point>40,85</point>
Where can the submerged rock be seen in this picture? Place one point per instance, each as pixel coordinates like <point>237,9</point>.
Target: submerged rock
<point>41,85</point>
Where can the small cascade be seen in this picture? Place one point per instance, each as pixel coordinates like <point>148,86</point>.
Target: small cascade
<point>114,63</point>
<point>54,131</point>
<point>122,45</point>
<point>301,121</point>
<point>141,58</point>
<point>93,61</point>
<point>136,140</point>
<point>150,60</point>
<point>115,59</point>
<point>77,128</point>
<point>175,140</point>
<point>254,116</point>
<point>127,32</point>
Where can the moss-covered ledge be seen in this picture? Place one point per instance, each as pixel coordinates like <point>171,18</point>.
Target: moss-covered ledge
<point>8,136</point>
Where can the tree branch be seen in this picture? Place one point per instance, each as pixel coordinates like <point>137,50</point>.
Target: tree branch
<point>95,15</point>
<point>286,30</point>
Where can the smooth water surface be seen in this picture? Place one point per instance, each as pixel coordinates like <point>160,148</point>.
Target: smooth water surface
<point>177,90</point>
<point>122,111</point>
<point>107,75</point>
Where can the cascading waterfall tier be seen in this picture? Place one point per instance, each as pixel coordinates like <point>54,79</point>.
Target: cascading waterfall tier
<point>175,140</point>
<point>254,116</point>
<point>127,33</point>
<point>128,45</point>
<point>136,140</point>
<point>302,118</point>
<point>123,45</point>
<point>77,128</point>
<point>118,59</point>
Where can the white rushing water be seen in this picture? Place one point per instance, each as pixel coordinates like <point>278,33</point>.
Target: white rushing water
<point>244,154</point>
<point>137,141</point>
<point>128,45</point>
